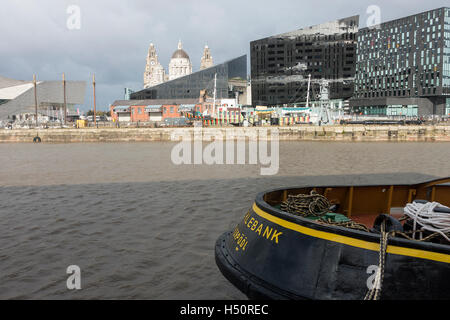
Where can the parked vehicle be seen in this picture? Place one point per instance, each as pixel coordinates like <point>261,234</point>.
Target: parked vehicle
<point>177,122</point>
<point>98,118</point>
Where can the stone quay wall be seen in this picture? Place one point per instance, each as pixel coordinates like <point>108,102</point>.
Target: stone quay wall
<point>292,133</point>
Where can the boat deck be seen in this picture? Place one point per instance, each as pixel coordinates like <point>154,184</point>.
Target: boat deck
<point>369,219</point>
<point>363,204</point>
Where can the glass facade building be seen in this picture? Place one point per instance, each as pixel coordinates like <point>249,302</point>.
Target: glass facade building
<point>447,106</point>
<point>281,64</point>
<point>403,66</point>
<point>189,87</point>
<point>446,58</point>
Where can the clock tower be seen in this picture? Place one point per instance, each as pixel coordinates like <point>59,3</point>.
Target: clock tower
<point>207,60</point>
<point>154,72</point>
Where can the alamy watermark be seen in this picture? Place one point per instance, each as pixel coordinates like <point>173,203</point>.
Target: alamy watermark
<point>228,147</point>
<point>374,19</point>
<point>373,281</point>
<point>74,19</point>
<point>74,280</point>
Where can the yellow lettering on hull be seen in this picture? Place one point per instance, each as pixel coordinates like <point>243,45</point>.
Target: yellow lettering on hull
<point>258,227</point>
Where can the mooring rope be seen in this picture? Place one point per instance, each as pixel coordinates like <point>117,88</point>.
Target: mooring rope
<point>375,292</point>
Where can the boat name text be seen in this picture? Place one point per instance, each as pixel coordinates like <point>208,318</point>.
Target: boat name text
<point>271,234</point>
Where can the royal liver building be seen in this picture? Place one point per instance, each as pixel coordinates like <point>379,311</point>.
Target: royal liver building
<point>154,72</point>
<point>180,65</point>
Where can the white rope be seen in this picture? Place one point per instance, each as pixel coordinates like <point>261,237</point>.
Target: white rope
<point>423,214</point>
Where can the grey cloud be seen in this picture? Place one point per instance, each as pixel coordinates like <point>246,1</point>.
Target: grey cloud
<point>115,35</point>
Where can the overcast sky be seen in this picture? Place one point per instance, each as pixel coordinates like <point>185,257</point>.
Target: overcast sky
<point>114,36</point>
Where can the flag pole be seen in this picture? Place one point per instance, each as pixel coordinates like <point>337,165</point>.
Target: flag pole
<point>35,99</point>
<point>65,101</point>
<point>95,110</point>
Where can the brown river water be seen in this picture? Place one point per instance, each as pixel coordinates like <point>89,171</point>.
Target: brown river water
<point>141,227</point>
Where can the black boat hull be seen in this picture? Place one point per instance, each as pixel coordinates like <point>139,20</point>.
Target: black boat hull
<point>271,254</point>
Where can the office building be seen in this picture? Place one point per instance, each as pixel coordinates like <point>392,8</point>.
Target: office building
<point>281,64</point>
<point>403,66</point>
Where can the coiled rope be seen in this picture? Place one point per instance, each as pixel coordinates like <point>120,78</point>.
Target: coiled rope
<point>423,215</point>
<point>306,205</point>
<point>315,205</point>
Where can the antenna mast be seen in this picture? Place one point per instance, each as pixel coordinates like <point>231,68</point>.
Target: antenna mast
<point>215,88</point>
<point>307,93</point>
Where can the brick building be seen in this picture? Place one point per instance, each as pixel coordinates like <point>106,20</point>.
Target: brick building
<point>152,110</point>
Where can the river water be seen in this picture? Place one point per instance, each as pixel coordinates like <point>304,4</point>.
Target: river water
<point>141,227</point>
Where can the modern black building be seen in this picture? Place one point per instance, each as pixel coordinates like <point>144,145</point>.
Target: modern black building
<point>403,66</point>
<point>189,87</point>
<point>281,64</point>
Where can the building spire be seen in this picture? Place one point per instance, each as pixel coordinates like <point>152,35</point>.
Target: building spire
<point>180,45</point>
<point>207,60</point>
<point>154,73</point>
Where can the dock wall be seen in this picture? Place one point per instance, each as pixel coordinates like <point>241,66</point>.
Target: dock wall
<point>294,133</point>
